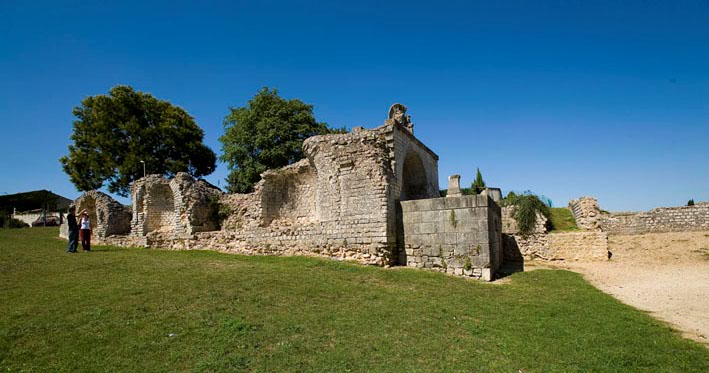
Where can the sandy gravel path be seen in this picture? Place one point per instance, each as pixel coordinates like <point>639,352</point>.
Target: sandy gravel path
<point>666,274</point>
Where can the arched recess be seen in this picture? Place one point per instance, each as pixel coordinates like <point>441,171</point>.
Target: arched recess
<point>414,184</point>
<point>88,203</point>
<point>160,209</point>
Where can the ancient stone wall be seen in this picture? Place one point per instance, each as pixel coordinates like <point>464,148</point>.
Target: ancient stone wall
<point>578,246</point>
<point>291,196</point>
<point>108,216</point>
<point>586,212</point>
<point>458,235</point>
<point>334,203</point>
<point>341,201</point>
<point>662,219</point>
<point>509,224</point>
<point>174,208</point>
<point>555,246</point>
<point>588,216</point>
<point>549,246</point>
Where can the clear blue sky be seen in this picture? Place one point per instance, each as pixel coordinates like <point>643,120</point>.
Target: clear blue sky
<point>564,98</point>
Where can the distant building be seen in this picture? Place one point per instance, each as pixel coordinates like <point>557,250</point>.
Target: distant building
<point>31,206</point>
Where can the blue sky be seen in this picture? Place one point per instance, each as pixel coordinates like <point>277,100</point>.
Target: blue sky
<point>563,98</point>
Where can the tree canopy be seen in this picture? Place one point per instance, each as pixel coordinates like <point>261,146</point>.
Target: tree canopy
<point>113,133</point>
<point>478,185</point>
<point>268,133</point>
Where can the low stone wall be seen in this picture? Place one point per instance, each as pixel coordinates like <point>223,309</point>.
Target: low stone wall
<point>662,219</point>
<point>457,235</point>
<point>578,246</point>
<point>556,246</point>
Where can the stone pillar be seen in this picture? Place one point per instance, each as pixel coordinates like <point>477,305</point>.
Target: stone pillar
<point>454,186</point>
<point>494,193</point>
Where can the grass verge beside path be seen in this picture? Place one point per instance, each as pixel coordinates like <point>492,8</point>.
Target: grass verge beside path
<point>150,310</point>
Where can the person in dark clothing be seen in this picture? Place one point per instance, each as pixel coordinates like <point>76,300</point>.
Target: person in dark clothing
<point>73,230</point>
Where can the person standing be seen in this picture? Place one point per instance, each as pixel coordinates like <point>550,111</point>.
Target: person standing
<point>73,230</point>
<point>85,224</point>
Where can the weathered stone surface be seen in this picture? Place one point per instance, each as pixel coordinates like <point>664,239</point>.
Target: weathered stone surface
<point>586,212</point>
<point>454,186</point>
<point>173,209</point>
<point>108,216</point>
<point>456,235</point>
<point>341,201</point>
<point>588,215</point>
<point>662,219</point>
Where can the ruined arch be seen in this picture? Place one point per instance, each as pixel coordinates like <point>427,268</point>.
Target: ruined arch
<point>160,207</point>
<point>414,183</point>
<point>108,216</point>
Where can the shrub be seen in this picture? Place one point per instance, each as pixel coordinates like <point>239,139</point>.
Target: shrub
<point>526,208</point>
<point>690,202</point>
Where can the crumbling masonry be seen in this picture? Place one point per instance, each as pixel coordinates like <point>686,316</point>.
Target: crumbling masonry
<point>368,195</point>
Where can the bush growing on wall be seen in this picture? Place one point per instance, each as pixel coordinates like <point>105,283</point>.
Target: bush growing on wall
<point>526,208</point>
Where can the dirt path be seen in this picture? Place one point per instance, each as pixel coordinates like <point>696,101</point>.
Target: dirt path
<point>666,274</point>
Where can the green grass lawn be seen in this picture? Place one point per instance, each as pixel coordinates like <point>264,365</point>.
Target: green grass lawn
<point>562,219</point>
<point>142,310</point>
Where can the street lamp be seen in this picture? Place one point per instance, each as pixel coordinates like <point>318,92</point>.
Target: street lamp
<point>143,162</point>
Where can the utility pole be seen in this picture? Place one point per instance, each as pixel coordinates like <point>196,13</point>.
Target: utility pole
<point>143,162</point>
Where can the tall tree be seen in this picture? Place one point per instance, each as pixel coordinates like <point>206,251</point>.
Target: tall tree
<point>268,133</point>
<point>478,185</point>
<point>113,133</point>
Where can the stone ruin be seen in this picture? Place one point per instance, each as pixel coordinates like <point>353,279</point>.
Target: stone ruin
<point>588,214</point>
<point>175,209</point>
<point>108,216</point>
<point>370,195</point>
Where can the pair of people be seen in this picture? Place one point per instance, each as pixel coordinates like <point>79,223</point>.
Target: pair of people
<point>79,231</point>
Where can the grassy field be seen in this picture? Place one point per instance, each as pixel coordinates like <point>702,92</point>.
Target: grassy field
<point>562,219</point>
<point>119,309</point>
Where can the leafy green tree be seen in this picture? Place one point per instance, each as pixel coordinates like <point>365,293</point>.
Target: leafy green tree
<point>268,133</point>
<point>478,185</point>
<point>690,202</point>
<point>113,133</point>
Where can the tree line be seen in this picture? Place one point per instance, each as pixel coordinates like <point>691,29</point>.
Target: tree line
<point>116,137</point>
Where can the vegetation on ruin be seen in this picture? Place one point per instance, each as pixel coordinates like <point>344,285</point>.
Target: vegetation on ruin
<point>266,134</point>
<point>690,202</point>
<point>526,207</point>
<point>113,133</point>
<point>562,219</point>
<point>478,184</point>
<point>120,309</point>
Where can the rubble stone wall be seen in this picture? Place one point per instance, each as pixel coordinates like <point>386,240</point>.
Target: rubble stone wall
<point>341,201</point>
<point>509,224</point>
<point>662,219</point>
<point>549,246</point>
<point>578,246</point>
<point>586,212</point>
<point>457,235</point>
<point>556,246</point>
<point>174,208</point>
<point>290,195</point>
<point>108,216</point>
